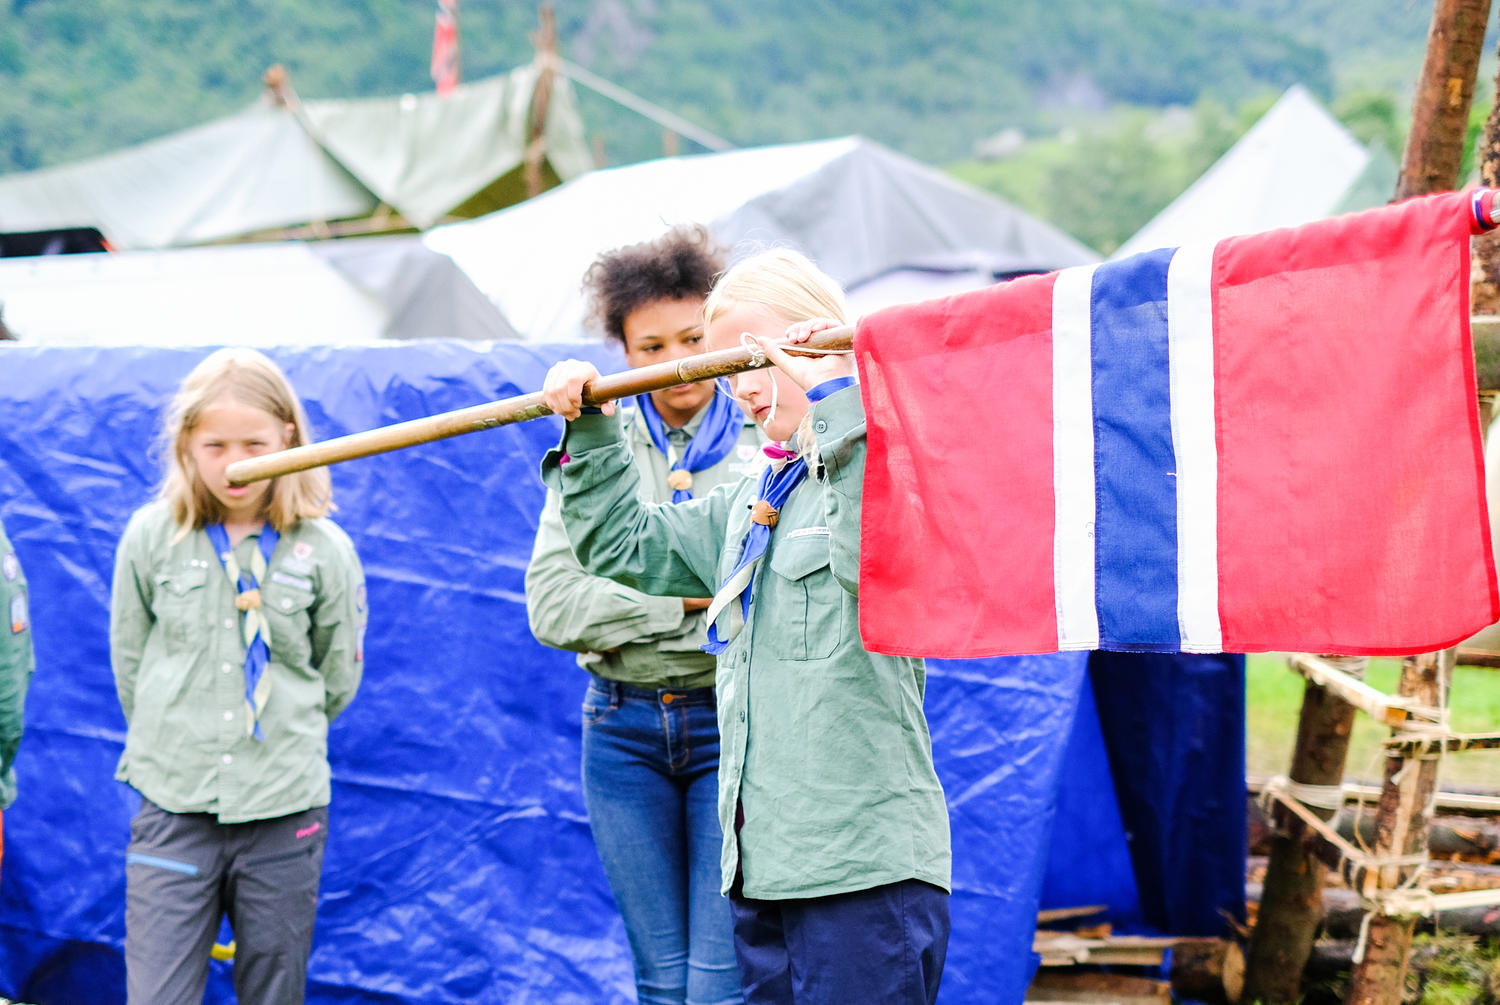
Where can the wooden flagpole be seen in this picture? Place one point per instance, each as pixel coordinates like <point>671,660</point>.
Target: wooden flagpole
<point>707,366</point>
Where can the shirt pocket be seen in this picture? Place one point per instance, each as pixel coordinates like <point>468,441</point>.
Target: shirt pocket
<point>179,605</point>
<point>288,613</point>
<point>808,625</point>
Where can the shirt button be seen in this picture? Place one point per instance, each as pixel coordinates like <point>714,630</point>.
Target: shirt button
<point>228,622</point>
<point>820,426</point>
<point>742,717</point>
<point>224,668</point>
<point>227,759</point>
<point>286,603</point>
<point>228,716</point>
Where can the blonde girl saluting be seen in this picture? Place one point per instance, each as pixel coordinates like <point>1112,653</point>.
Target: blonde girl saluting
<point>236,633</point>
<point>836,852</point>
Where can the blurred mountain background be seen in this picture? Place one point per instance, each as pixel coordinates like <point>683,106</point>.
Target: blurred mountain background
<point>1091,115</point>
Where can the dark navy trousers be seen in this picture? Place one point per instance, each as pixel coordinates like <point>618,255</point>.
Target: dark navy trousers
<point>886,945</point>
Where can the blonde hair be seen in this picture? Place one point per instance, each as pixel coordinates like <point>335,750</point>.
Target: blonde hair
<point>251,379</point>
<point>792,288</point>
<point>784,282</point>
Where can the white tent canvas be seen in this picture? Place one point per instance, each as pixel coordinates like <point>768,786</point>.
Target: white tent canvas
<point>1296,164</point>
<point>859,210</point>
<point>291,293</point>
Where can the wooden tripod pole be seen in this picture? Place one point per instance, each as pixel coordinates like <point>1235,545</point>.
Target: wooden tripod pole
<point>706,366</point>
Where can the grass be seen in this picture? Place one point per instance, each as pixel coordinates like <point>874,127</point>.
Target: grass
<point>1274,698</point>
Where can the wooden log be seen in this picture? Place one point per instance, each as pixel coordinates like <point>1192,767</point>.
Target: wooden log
<point>1341,913</point>
<point>1287,922</point>
<point>1449,838</point>
<point>1209,970</point>
<point>1442,876</point>
<point>1464,812</point>
<point>1456,839</point>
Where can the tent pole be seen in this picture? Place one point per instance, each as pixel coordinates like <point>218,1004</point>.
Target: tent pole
<point>544,40</point>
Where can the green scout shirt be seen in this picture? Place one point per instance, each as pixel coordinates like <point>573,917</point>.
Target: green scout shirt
<point>824,744</point>
<point>16,664</point>
<point>179,658</point>
<point>618,632</point>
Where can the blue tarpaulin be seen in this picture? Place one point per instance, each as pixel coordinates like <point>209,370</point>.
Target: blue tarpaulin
<point>459,865</point>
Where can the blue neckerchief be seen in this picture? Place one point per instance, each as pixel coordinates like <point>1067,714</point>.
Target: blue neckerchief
<point>775,487</point>
<point>257,653</point>
<point>717,434</point>
<point>829,386</point>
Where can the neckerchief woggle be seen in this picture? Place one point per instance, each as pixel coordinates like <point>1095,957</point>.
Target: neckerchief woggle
<point>717,434</point>
<point>253,627</point>
<point>776,484</point>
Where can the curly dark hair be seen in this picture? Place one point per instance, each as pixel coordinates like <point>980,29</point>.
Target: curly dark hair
<point>682,264</point>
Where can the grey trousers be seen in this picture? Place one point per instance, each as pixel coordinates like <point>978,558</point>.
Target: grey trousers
<point>185,871</point>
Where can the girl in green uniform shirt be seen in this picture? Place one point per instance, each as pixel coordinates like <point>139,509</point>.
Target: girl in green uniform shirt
<point>650,736</point>
<point>16,664</point>
<point>836,852</point>
<point>236,634</point>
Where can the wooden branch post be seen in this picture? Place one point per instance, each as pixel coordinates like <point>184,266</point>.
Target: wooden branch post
<point>1440,109</point>
<point>1484,292</point>
<point>1434,151</point>
<point>545,43</point>
<point>1400,830</point>
<point>1291,905</point>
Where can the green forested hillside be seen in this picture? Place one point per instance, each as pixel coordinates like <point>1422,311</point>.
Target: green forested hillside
<point>1080,85</point>
<point>926,77</point>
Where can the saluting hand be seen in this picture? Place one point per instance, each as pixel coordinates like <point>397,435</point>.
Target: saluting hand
<point>808,371</point>
<point>562,390</point>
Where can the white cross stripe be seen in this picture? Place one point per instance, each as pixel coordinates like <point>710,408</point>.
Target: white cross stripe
<point>1190,340</point>
<point>1073,460</point>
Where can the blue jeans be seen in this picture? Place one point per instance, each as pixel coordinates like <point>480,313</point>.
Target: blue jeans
<point>651,784</point>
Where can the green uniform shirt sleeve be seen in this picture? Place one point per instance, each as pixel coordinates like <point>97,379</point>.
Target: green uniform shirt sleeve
<point>839,425</point>
<point>570,609</point>
<point>658,548</point>
<point>338,627</point>
<point>130,616</point>
<point>16,663</point>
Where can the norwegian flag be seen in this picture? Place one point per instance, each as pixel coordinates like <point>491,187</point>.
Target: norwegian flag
<point>445,61</point>
<point>1271,443</point>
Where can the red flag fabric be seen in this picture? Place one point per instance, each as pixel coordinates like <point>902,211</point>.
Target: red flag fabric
<point>445,47</point>
<point>1271,443</point>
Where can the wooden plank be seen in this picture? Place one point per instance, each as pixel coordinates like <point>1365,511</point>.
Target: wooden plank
<point>1393,710</point>
<point>1053,915</point>
<point>1092,987</point>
